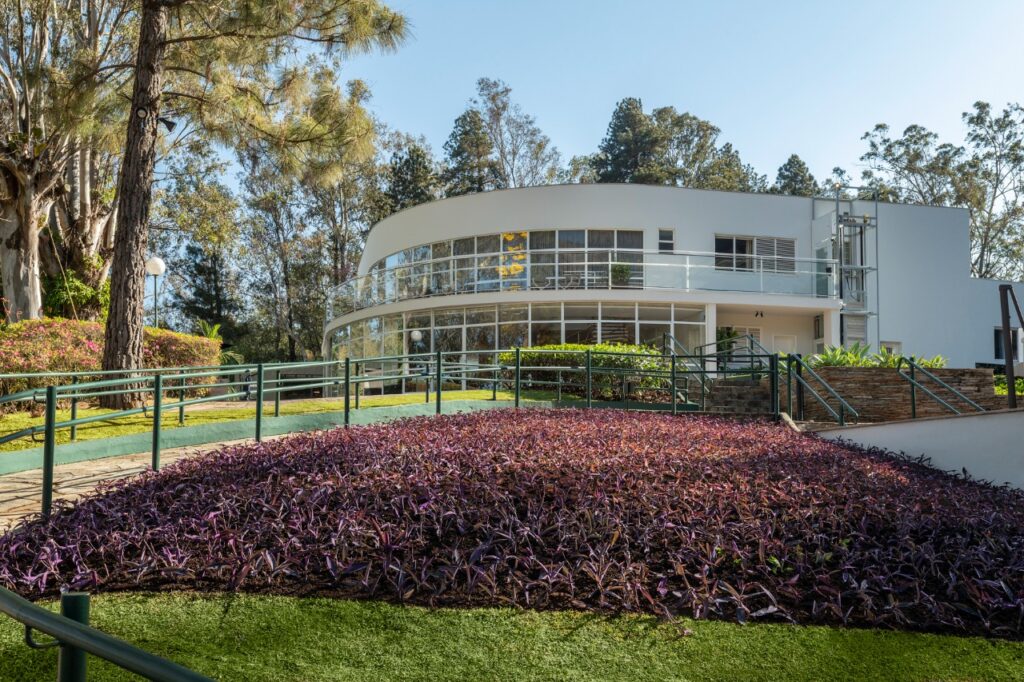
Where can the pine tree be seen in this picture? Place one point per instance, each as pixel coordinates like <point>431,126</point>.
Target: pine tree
<point>411,179</point>
<point>633,149</point>
<point>470,166</point>
<point>795,178</point>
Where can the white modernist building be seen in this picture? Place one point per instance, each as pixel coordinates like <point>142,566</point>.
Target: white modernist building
<point>628,263</point>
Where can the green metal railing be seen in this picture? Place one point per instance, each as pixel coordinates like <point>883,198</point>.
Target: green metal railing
<point>916,373</point>
<point>157,391</point>
<point>71,632</point>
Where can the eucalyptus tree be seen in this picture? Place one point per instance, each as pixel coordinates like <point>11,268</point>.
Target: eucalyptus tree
<point>62,65</point>
<point>523,154</point>
<point>985,175</point>
<point>233,68</point>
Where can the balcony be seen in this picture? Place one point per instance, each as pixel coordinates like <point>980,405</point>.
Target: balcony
<point>585,269</point>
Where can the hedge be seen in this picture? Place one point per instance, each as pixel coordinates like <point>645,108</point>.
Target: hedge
<point>60,345</point>
<point>605,385</point>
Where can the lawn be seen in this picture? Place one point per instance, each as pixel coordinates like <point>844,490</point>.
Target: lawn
<point>246,637</point>
<point>210,413</point>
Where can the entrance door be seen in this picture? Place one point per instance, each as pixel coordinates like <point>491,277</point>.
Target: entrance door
<point>784,343</point>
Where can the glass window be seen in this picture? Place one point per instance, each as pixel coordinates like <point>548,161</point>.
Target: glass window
<point>733,253</point>
<point>684,314</point>
<point>581,311</point>
<point>551,311</point>
<point>481,338</point>
<point>448,340</point>
<point>448,317</point>
<point>653,334</point>
<point>629,239</point>
<point>618,332</point>
<point>689,335</point>
<point>542,240</point>
<point>513,335</point>
<point>488,244</point>
<point>513,313</point>
<point>581,332</point>
<point>572,239</point>
<point>545,333</point>
<point>600,239</point>
<point>392,323</point>
<point>666,241</point>
<point>656,313</point>
<point>998,343</point>
<point>421,253</point>
<point>613,311</point>
<point>487,273</point>
<point>441,249</point>
<point>513,241</point>
<point>542,270</point>
<point>480,315</point>
<point>463,247</point>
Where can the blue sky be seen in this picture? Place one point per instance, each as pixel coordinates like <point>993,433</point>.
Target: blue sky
<point>776,77</point>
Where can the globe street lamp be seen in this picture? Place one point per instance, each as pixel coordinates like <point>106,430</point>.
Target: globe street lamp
<point>155,266</point>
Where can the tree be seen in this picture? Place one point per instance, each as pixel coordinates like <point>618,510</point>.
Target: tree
<point>635,148</point>
<point>794,178</point>
<point>525,156</point>
<point>200,215</point>
<point>986,175</point>
<point>410,176</point>
<point>228,74</point>
<point>60,115</point>
<point>470,160</point>
<point>669,148</point>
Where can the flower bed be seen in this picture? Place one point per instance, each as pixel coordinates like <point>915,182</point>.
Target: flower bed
<point>602,509</point>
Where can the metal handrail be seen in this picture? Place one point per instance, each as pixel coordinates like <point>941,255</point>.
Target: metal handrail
<point>75,635</point>
<point>910,377</point>
<point>844,406</point>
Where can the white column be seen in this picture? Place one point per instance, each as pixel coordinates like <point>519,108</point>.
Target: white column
<point>831,327</point>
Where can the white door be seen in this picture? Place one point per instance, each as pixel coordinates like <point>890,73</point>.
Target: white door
<point>784,343</point>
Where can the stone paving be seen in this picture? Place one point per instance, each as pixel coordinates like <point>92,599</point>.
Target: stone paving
<point>21,493</point>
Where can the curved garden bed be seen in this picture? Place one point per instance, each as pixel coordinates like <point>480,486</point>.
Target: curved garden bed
<point>601,509</point>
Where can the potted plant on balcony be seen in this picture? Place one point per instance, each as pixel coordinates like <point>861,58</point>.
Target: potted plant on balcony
<point>621,274</point>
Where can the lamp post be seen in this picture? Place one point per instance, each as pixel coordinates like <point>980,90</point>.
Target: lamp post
<point>155,266</point>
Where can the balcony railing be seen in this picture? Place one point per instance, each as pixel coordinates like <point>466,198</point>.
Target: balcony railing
<point>588,270</point>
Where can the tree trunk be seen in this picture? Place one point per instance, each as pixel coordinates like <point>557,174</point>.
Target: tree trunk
<point>123,340</point>
<point>19,258</point>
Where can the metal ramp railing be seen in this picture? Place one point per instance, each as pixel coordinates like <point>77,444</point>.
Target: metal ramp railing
<point>914,375</point>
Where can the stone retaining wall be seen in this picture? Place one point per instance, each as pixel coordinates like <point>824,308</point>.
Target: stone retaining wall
<point>880,394</point>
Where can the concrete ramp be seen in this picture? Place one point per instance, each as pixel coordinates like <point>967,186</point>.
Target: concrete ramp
<point>988,445</point>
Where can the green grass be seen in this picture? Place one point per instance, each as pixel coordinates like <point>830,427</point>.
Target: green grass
<point>199,414</point>
<point>243,637</point>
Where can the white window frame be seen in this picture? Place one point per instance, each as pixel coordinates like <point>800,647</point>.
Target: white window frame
<point>759,251</point>
<point>666,245</point>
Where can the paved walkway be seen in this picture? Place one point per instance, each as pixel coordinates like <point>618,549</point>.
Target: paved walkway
<point>21,493</point>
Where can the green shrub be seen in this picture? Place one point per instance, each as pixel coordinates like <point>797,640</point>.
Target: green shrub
<point>60,345</point>
<point>1001,387</point>
<point>605,385</point>
<point>859,355</point>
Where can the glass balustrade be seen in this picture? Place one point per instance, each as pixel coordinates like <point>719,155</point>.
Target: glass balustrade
<point>597,269</point>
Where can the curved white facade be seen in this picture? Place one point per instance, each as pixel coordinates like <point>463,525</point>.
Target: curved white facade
<point>628,263</point>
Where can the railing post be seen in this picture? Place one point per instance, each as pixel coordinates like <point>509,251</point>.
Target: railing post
<point>773,369</point>
<point>49,445</point>
<point>675,406</point>
<point>789,385</point>
<point>518,375</point>
<point>277,393</point>
<point>181,399</point>
<point>158,390</point>
<point>590,400</point>
<point>355,389</point>
<point>799,388</point>
<point>71,661</point>
<point>437,387</point>
<point>74,409</point>
<point>494,383</point>
<point>348,377</point>
<point>259,402</point>
<point>913,393</point>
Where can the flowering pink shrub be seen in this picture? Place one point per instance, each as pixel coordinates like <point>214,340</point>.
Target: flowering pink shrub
<point>60,345</point>
<point>601,509</point>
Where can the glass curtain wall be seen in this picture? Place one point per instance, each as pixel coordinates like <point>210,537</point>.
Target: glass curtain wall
<point>475,332</point>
